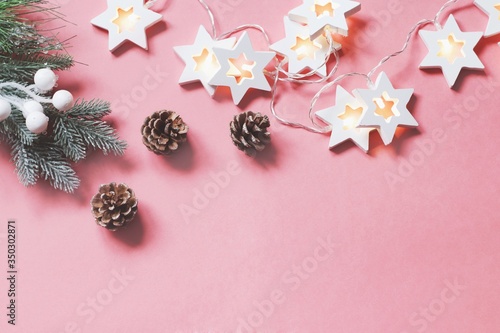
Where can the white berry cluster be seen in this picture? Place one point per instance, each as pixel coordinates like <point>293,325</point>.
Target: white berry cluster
<point>32,109</point>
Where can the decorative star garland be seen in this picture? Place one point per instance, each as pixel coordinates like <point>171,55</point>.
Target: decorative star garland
<point>492,9</point>
<point>242,68</point>
<point>212,61</point>
<point>201,62</point>
<point>382,107</point>
<point>451,49</point>
<point>302,52</point>
<point>344,117</point>
<point>321,14</point>
<point>386,108</point>
<point>126,20</point>
<point>305,51</point>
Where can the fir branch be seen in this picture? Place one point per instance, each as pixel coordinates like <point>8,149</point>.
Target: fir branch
<point>92,110</point>
<point>24,68</point>
<point>69,139</point>
<point>14,128</point>
<point>17,34</point>
<point>23,51</point>
<point>82,126</point>
<point>98,135</point>
<point>26,164</point>
<point>9,4</point>
<point>53,165</point>
<point>46,159</point>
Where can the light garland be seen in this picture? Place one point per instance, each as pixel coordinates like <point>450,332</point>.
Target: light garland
<point>201,62</point>
<point>451,50</point>
<point>385,108</point>
<point>242,68</point>
<point>127,20</point>
<point>309,44</point>
<point>300,51</point>
<point>492,9</point>
<point>321,15</point>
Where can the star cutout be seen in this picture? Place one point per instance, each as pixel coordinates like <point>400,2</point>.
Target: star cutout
<point>201,62</point>
<point>326,9</point>
<point>492,9</point>
<point>344,118</point>
<point>305,48</point>
<point>321,14</point>
<point>242,68</point>
<point>385,108</point>
<point>451,49</point>
<point>302,52</point>
<point>126,20</point>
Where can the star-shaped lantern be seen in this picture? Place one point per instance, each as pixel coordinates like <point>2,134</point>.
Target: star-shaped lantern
<point>344,118</point>
<point>126,20</point>
<point>242,68</point>
<point>492,9</point>
<point>321,14</point>
<point>451,49</point>
<point>201,62</point>
<point>386,108</point>
<point>302,52</point>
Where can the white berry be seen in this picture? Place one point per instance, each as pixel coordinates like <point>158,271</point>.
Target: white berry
<point>37,122</point>
<point>62,100</point>
<point>5,109</point>
<point>45,79</point>
<point>31,107</point>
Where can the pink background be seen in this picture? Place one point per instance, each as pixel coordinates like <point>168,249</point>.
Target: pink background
<point>417,255</point>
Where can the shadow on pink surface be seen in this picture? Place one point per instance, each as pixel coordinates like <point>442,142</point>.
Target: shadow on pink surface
<point>134,234</point>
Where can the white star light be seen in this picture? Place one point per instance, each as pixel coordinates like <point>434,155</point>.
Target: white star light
<point>492,9</point>
<point>451,50</point>
<point>301,51</point>
<point>344,118</point>
<point>201,62</point>
<point>126,20</point>
<point>386,108</point>
<point>242,68</point>
<point>321,14</point>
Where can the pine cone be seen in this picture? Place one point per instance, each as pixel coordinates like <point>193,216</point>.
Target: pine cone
<point>114,206</point>
<point>249,132</point>
<point>163,131</point>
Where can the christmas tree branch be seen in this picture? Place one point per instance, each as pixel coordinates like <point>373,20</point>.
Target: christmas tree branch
<point>53,165</point>
<point>13,128</point>
<point>82,125</point>
<point>64,132</point>
<point>25,161</point>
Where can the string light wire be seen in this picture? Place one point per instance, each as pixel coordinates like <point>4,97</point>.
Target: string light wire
<point>151,3</point>
<point>306,78</point>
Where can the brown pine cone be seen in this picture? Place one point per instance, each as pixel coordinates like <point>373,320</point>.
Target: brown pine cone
<point>249,132</point>
<point>114,206</point>
<point>163,131</point>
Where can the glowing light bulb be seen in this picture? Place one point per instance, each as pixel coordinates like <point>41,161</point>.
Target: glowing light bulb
<point>451,49</point>
<point>327,9</point>
<point>241,68</point>
<point>207,63</point>
<point>126,20</point>
<point>350,117</point>
<point>386,107</point>
<point>305,48</point>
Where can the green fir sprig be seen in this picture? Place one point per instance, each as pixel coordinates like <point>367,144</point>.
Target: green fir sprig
<point>23,51</point>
